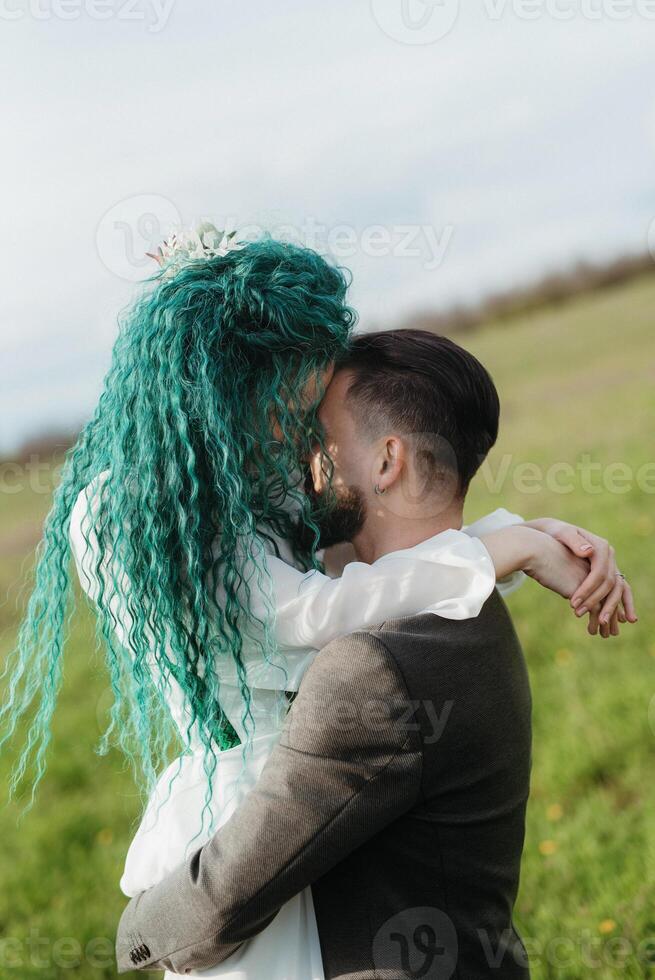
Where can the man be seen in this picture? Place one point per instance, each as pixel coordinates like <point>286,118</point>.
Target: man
<point>399,786</point>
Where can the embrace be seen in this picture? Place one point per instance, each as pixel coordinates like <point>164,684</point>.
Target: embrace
<point>266,512</point>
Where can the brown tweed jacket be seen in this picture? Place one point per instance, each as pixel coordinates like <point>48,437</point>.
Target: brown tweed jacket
<point>398,792</point>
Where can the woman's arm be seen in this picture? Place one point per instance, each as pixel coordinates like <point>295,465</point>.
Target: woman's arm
<point>447,575</point>
<point>506,582</point>
<point>538,555</point>
<point>450,574</point>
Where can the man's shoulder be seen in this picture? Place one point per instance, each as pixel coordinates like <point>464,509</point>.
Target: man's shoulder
<point>359,658</point>
<point>426,649</point>
<point>351,704</point>
<point>375,659</point>
<point>493,621</point>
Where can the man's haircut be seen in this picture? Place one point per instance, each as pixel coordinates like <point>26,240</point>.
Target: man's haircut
<point>430,389</point>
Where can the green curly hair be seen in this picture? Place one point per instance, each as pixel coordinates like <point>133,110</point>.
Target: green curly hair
<point>205,362</point>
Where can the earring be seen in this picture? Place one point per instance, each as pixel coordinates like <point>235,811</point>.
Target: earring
<point>377,490</point>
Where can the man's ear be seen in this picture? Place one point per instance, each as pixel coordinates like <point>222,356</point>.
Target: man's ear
<point>390,462</point>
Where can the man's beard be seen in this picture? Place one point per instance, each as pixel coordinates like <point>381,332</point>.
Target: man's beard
<point>338,512</point>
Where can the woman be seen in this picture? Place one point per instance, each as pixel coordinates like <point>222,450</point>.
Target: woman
<point>183,500</point>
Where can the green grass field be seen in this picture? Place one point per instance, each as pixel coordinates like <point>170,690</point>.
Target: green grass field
<point>577,386</point>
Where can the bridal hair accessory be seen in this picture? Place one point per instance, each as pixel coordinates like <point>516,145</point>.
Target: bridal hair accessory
<point>206,242</point>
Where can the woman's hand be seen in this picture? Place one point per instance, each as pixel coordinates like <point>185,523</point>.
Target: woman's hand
<point>604,593</point>
<point>539,555</point>
<point>553,565</point>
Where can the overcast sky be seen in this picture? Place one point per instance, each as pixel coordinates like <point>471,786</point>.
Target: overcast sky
<point>439,153</point>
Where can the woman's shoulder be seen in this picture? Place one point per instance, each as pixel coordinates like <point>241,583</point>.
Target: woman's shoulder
<point>85,508</point>
<point>89,494</point>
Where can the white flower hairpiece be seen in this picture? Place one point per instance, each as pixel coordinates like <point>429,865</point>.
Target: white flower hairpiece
<point>206,242</point>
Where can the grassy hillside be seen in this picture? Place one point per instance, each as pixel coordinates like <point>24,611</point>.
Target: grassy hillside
<point>577,387</point>
<point>579,383</point>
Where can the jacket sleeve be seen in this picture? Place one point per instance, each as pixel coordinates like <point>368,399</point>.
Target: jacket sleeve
<point>347,765</point>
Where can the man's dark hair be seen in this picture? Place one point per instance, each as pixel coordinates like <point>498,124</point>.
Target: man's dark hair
<point>426,387</point>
